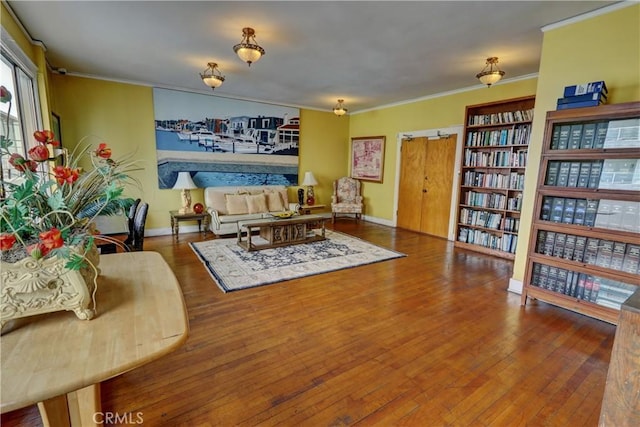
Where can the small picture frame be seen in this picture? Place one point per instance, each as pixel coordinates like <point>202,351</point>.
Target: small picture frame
<point>367,158</point>
<point>55,127</point>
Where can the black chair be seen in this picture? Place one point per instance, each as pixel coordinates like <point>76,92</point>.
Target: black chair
<point>138,227</point>
<point>130,219</point>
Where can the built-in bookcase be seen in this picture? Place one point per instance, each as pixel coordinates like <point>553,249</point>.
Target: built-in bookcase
<point>493,162</point>
<point>584,251</point>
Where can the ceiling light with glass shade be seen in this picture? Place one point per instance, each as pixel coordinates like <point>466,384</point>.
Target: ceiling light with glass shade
<point>248,49</point>
<point>491,73</point>
<point>212,76</point>
<point>339,109</point>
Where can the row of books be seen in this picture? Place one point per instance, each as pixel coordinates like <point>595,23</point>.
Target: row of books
<point>598,290</point>
<point>505,243</point>
<point>513,181</point>
<point>511,224</point>
<point>493,201</point>
<point>484,219</point>
<point>502,117</point>
<point>604,253</point>
<point>624,133</point>
<point>614,174</point>
<point>518,135</point>
<point>501,158</point>
<point>587,95</point>
<point>610,214</point>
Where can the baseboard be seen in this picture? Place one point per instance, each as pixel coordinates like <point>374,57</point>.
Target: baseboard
<point>150,232</point>
<point>380,221</point>
<point>515,286</point>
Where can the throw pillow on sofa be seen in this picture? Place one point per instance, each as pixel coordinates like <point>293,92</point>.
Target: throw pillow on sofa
<point>274,201</point>
<point>256,203</point>
<point>236,204</point>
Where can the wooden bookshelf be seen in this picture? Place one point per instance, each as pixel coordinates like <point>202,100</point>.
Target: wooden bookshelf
<point>494,159</point>
<point>584,249</point>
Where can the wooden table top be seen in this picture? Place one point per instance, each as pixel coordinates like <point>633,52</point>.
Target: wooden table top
<point>141,316</point>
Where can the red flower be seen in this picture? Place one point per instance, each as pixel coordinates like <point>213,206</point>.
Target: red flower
<point>66,174</point>
<point>39,153</point>
<point>5,95</point>
<point>45,137</point>
<point>6,241</point>
<point>103,151</point>
<point>21,164</point>
<point>51,239</point>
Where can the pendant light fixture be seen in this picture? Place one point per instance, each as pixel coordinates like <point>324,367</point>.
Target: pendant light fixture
<point>339,109</point>
<point>212,76</point>
<point>248,49</point>
<point>491,73</point>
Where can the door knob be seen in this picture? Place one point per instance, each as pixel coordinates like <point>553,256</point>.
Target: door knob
<point>424,190</point>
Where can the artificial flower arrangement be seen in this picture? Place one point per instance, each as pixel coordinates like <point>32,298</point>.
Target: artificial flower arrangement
<point>48,210</point>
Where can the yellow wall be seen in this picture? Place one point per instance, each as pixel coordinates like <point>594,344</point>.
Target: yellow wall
<point>605,48</point>
<point>122,115</point>
<point>432,113</point>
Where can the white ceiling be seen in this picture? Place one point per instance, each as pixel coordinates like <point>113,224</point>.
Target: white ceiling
<point>369,53</point>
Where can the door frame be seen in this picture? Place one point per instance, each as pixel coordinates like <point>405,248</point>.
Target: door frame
<point>432,134</point>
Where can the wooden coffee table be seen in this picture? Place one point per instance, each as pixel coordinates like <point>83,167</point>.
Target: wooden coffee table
<point>282,232</point>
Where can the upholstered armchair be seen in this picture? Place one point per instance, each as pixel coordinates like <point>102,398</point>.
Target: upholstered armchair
<point>346,198</point>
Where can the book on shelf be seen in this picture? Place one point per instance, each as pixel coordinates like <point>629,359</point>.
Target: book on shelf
<point>557,209</point>
<point>600,137</point>
<point>545,212</point>
<point>568,211</point>
<point>569,246</point>
<point>591,250</point>
<point>552,279</point>
<point>580,212</point>
<point>540,241</point>
<point>617,255</point>
<point>563,174</point>
<point>593,96</point>
<point>588,136</point>
<point>553,168</point>
<point>605,251</point>
<point>594,173</point>
<point>575,136</point>
<point>563,137</point>
<point>591,212</point>
<point>558,248</point>
<point>574,172</point>
<point>631,261</point>
<point>578,105</point>
<point>544,276</point>
<point>549,242</point>
<point>581,89</point>
<point>578,252</point>
<point>561,283</point>
<point>584,174</point>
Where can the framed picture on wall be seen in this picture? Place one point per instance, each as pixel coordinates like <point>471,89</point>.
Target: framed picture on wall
<point>55,127</point>
<point>367,158</point>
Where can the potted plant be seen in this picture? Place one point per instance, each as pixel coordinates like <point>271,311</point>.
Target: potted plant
<point>49,258</point>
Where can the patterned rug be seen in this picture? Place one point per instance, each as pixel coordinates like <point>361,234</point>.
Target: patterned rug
<point>233,268</point>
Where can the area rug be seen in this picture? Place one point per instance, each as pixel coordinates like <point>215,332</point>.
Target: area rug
<point>233,268</point>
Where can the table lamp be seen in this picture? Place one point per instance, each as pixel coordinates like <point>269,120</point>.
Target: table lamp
<point>310,181</point>
<point>185,183</point>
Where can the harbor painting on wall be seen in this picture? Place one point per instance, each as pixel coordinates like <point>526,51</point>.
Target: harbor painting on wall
<point>224,142</point>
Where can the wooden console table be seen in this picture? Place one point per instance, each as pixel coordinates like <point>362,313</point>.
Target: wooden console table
<point>176,217</point>
<point>282,232</point>
<point>58,361</point>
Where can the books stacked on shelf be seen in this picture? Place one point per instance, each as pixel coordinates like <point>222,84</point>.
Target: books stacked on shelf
<point>604,253</point>
<point>484,219</point>
<point>610,214</point>
<point>586,95</point>
<point>485,200</point>
<point>506,243</point>
<point>598,290</point>
<point>515,135</point>
<point>501,117</point>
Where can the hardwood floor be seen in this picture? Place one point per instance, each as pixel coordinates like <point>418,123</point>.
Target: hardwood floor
<point>432,339</point>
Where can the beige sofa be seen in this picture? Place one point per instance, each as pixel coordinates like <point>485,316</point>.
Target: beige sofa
<point>228,205</point>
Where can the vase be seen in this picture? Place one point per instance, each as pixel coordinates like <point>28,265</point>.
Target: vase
<point>36,286</point>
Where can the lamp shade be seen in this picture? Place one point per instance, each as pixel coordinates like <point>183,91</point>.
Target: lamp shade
<point>184,182</point>
<point>309,179</point>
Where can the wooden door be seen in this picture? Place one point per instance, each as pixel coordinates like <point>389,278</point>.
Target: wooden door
<point>426,182</point>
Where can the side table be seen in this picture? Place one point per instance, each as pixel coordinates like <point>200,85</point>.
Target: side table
<point>176,217</point>
<point>306,209</point>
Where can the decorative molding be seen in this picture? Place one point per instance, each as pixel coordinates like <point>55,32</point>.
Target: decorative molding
<point>588,15</point>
